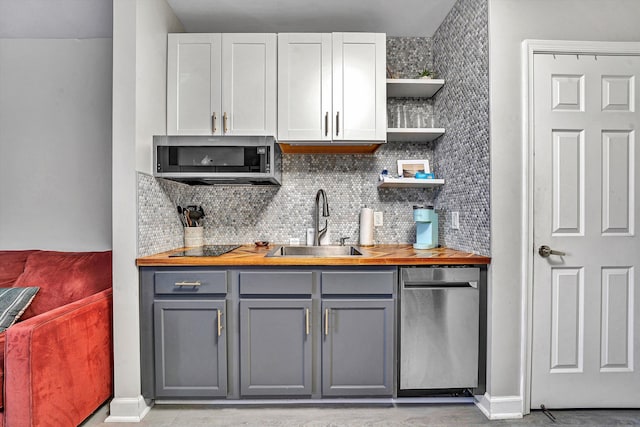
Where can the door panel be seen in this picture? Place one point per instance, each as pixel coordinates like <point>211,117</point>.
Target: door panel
<point>275,346</point>
<point>357,348</point>
<point>359,87</point>
<point>184,332</point>
<point>304,87</point>
<point>618,175</point>
<point>618,93</point>
<point>193,84</point>
<point>568,92</point>
<point>617,320</point>
<point>567,320</point>
<point>568,182</point>
<point>585,308</point>
<point>249,84</point>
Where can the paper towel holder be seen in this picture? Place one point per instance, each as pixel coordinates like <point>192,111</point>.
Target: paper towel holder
<point>366,227</point>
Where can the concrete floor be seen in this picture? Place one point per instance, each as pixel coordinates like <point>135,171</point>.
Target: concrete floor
<point>336,416</point>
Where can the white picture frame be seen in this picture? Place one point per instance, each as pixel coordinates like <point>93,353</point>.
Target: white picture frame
<point>408,168</point>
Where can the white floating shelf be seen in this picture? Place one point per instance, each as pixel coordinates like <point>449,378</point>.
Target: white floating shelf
<point>413,134</point>
<point>413,88</point>
<point>409,183</point>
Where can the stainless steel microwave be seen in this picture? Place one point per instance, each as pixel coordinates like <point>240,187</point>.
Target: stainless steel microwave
<point>206,160</point>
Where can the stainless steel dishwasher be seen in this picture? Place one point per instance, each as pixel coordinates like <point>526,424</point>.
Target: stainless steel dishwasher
<point>439,327</point>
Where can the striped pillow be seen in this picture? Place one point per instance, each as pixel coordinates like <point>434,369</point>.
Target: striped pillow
<point>13,302</point>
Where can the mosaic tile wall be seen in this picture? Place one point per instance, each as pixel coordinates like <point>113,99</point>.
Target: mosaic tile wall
<point>159,228</point>
<point>243,214</point>
<point>461,57</point>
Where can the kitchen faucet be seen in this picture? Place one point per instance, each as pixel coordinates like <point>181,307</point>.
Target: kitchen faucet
<point>318,233</point>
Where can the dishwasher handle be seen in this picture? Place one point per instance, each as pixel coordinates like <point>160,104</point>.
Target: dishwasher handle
<point>439,285</point>
<point>439,276</point>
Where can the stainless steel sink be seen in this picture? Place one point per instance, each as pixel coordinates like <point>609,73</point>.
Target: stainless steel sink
<point>316,251</point>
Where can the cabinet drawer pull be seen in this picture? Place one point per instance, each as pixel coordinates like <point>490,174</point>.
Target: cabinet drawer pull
<point>184,283</point>
<point>337,123</point>
<point>219,322</point>
<point>224,122</point>
<point>213,123</point>
<point>326,123</point>
<point>306,322</point>
<point>326,321</point>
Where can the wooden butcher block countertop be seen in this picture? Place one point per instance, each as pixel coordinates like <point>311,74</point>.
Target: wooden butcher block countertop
<point>250,255</point>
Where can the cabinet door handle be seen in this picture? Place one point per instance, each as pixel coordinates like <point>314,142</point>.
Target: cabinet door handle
<point>306,322</point>
<point>337,123</point>
<point>326,123</point>
<point>224,122</point>
<point>184,283</point>
<point>326,321</point>
<point>219,322</point>
<point>213,122</point>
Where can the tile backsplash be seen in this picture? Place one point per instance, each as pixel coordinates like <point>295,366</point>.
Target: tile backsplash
<point>461,57</point>
<point>243,214</point>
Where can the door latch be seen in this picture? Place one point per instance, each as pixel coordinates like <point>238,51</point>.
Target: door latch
<point>545,251</point>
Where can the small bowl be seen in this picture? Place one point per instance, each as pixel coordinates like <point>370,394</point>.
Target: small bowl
<point>262,243</point>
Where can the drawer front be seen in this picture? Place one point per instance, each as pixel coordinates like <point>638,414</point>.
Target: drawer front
<point>276,282</point>
<point>357,282</point>
<point>191,282</point>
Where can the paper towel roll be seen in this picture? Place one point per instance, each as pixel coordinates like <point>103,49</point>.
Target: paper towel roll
<point>366,227</point>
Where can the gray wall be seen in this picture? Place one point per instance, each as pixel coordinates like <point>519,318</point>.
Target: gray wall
<point>55,144</point>
<point>59,19</point>
<point>139,82</point>
<point>511,22</point>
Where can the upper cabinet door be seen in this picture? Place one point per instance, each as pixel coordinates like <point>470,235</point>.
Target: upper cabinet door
<point>193,84</point>
<point>249,79</point>
<point>304,87</point>
<point>359,87</point>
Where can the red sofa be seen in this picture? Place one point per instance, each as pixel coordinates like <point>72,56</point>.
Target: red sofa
<point>56,366</point>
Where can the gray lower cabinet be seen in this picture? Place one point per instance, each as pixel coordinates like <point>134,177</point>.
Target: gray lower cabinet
<point>275,347</point>
<point>275,332</point>
<point>357,347</point>
<point>216,332</point>
<point>190,348</point>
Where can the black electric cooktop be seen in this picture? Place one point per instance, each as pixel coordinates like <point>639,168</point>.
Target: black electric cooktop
<point>208,250</point>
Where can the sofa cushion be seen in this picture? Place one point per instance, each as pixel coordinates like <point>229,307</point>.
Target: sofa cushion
<point>13,302</point>
<point>64,277</point>
<point>11,266</point>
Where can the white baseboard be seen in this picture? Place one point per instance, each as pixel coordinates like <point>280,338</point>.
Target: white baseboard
<point>500,407</point>
<point>127,410</point>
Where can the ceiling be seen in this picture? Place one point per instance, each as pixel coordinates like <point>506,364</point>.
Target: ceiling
<point>93,18</point>
<point>394,17</point>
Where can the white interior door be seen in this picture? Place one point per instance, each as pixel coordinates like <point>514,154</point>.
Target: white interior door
<point>304,87</point>
<point>586,319</point>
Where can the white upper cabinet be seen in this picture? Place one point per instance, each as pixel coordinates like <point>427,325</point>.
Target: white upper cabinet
<point>249,80</point>
<point>221,84</point>
<point>359,86</point>
<point>332,87</point>
<point>194,84</point>
<point>304,87</point>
